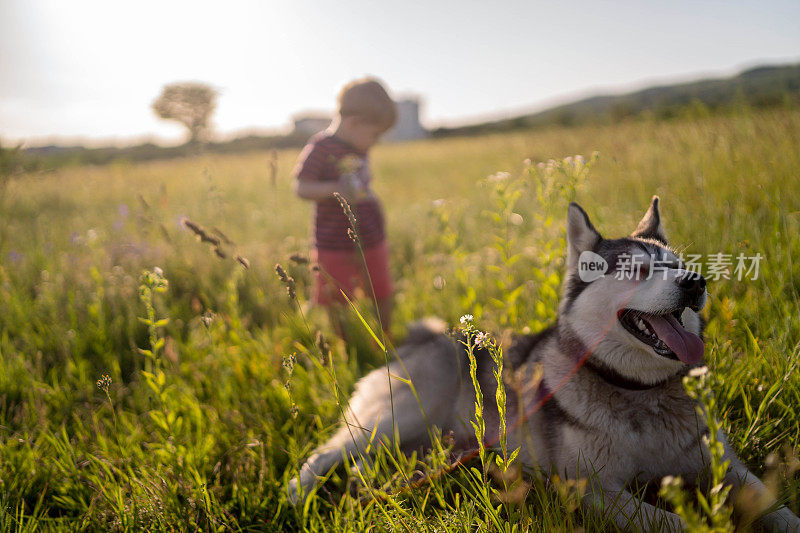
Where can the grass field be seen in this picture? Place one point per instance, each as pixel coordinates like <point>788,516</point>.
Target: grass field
<point>215,391</point>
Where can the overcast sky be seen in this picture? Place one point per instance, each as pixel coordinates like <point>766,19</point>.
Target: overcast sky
<point>89,69</point>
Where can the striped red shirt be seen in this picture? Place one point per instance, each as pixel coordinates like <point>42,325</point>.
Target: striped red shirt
<point>328,158</point>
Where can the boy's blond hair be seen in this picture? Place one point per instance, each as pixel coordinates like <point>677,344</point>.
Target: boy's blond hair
<point>366,98</point>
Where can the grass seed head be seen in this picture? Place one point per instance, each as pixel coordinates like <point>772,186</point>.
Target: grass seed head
<point>104,383</point>
<point>324,347</point>
<point>243,261</point>
<point>287,280</point>
<point>222,236</point>
<point>351,231</point>
<point>281,273</point>
<point>200,232</point>
<point>288,363</point>
<point>299,259</point>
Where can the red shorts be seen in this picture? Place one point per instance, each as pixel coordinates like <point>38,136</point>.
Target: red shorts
<point>344,269</point>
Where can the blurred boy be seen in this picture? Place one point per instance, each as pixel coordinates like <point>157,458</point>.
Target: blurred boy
<point>335,161</point>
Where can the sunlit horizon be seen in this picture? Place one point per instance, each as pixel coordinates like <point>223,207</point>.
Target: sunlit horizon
<point>86,73</point>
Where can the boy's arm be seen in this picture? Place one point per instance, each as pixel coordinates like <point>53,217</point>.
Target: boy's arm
<point>311,165</point>
<point>319,190</point>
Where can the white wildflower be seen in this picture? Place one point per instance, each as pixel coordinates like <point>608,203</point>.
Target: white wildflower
<point>698,372</point>
<point>481,338</point>
<point>500,176</point>
<point>466,319</point>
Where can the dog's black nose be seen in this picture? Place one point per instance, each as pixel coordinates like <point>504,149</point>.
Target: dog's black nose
<point>692,281</point>
<point>693,286</point>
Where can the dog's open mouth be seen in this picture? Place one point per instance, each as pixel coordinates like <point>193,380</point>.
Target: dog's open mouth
<point>664,333</point>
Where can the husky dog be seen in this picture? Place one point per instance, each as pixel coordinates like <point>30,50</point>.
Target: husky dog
<point>605,399</point>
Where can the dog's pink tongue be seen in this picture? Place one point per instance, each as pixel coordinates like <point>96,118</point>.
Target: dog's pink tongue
<point>687,346</point>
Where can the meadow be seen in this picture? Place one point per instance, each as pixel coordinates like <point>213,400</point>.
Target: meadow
<point>152,381</point>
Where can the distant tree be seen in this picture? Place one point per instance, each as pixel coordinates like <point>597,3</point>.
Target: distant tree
<point>11,162</point>
<point>191,104</point>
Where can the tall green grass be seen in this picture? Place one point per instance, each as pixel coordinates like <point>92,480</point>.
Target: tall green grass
<point>204,433</point>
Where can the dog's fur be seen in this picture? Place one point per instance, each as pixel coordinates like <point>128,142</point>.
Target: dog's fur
<point>609,407</point>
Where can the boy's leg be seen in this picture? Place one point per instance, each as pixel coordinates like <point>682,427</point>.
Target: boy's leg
<point>377,259</point>
<point>343,269</point>
<point>337,272</point>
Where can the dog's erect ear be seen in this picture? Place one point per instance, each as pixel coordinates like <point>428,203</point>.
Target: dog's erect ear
<point>581,235</point>
<point>650,225</point>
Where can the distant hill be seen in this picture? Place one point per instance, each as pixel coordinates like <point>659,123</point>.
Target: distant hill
<point>758,87</point>
<point>52,156</point>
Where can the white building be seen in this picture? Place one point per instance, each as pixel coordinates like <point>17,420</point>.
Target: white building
<point>408,126</point>
<point>307,124</point>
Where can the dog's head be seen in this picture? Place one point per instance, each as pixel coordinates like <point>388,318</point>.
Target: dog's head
<point>631,301</point>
